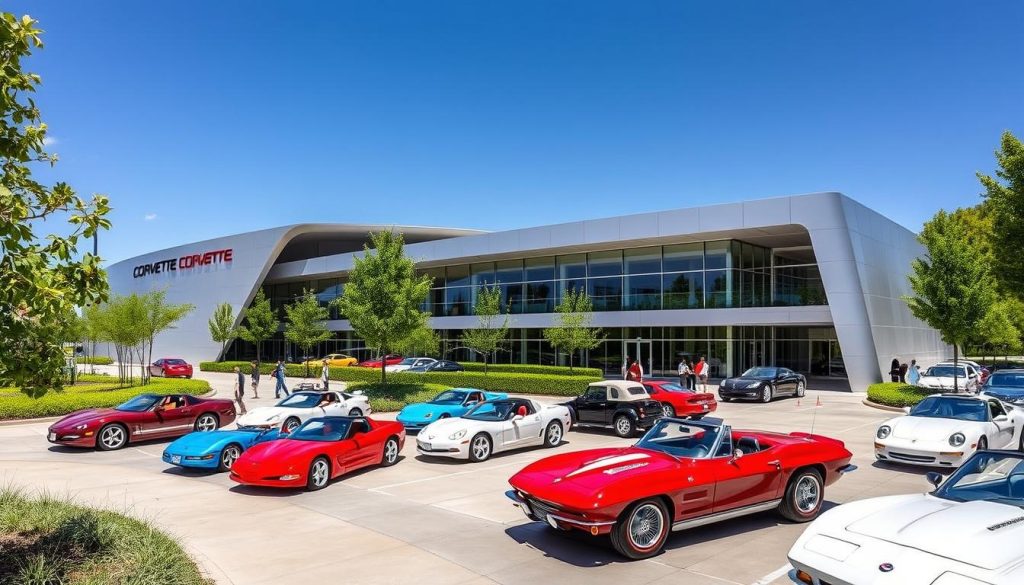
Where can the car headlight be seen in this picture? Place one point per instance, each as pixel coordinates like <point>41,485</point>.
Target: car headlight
<point>273,418</point>
<point>957,439</point>
<point>883,431</point>
<point>81,427</point>
<point>457,435</point>
<point>753,385</point>
<point>721,384</point>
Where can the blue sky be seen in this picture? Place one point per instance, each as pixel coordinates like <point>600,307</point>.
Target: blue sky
<point>201,119</point>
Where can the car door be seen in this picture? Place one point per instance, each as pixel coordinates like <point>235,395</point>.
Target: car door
<point>1004,427</point>
<point>784,382</point>
<point>367,447</point>
<point>173,416</point>
<point>337,407</point>
<point>750,479</point>
<point>527,430</point>
<point>590,407</point>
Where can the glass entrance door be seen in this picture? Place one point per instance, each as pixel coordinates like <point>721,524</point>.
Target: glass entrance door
<point>640,350</point>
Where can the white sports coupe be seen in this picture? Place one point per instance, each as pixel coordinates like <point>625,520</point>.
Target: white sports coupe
<point>944,430</point>
<point>495,426</point>
<point>940,377</point>
<point>966,532</point>
<point>299,407</point>
<point>410,362</point>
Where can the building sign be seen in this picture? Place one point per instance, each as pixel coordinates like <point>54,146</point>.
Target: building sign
<point>183,263</point>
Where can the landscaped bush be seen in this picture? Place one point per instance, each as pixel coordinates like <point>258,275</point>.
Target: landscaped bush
<point>393,397</point>
<point>99,360</point>
<point>531,369</point>
<point>90,392</point>
<point>897,394</point>
<point>52,540</point>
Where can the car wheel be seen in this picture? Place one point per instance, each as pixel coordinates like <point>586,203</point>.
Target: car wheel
<point>553,434</point>
<point>801,390</point>
<point>355,412</point>
<point>444,415</point>
<point>724,398</point>
<point>624,426</point>
<point>290,424</point>
<point>112,437</point>
<point>766,393</point>
<point>480,448</point>
<point>319,474</point>
<point>668,409</point>
<point>804,496</point>
<point>207,422</point>
<point>390,456</point>
<point>641,531</point>
<point>228,456</point>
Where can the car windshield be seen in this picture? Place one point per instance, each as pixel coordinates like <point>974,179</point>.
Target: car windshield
<point>672,387</point>
<point>322,429</point>
<point>1014,380</point>
<point>760,373</point>
<point>989,477</point>
<point>174,362</point>
<point>407,362</point>
<point>140,403</point>
<point>492,411</point>
<point>301,400</point>
<point>945,372</point>
<point>951,407</point>
<point>449,397</point>
<point>691,439</point>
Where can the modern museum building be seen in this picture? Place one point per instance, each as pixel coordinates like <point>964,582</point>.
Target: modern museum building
<point>809,282</point>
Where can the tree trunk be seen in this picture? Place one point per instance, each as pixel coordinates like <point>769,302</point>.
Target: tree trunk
<point>956,355</point>
<point>383,371</point>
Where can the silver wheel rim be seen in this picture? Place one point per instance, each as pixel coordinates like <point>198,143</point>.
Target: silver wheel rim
<point>766,394</point>
<point>319,473</point>
<point>668,410</point>
<point>807,493</point>
<point>290,425</point>
<point>391,451</point>
<point>112,437</point>
<point>645,526</point>
<point>800,388</point>
<point>355,412</point>
<point>554,435</point>
<point>206,423</point>
<point>230,455</point>
<point>481,447</point>
<point>623,426</point>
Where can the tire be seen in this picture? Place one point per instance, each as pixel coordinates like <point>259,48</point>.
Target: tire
<point>724,398</point>
<point>668,410</point>
<point>801,390</point>
<point>207,422</point>
<point>290,424</point>
<point>553,434</point>
<point>228,456</point>
<point>767,393</point>
<point>390,455</point>
<point>624,426</point>
<point>112,437</point>
<point>480,448</point>
<point>444,415</point>
<point>804,496</point>
<point>355,412</point>
<point>641,531</point>
<point>319,474</point>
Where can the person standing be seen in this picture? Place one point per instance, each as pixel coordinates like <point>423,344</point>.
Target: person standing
<point>702,374</point>
<point>325,375</point>
<point>636,373</point>
<point>255,380</point>
<point>913,373</point>
<point>240,389</point>
<point>279,376</point>
<point>903,373</point>
<point>894,370</point>
<point>684,373</point>
<point>693,375</point>
<point>625,368</point>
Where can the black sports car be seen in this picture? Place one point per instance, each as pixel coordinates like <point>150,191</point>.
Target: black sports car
<point>764,384</point>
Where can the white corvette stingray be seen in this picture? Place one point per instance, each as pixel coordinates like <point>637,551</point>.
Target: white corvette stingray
<point>296,409</point>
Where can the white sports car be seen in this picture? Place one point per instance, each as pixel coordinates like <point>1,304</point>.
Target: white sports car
<point>495,426</point>
<point>966,532</point>
<point>944,430</point>
<point>296,409</point>
<point>409,362</point>
<point>940,377</point>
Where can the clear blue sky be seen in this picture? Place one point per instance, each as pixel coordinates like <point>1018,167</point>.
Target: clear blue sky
<point>211,118</point>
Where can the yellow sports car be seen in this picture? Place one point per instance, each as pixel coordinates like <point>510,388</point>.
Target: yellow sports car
<point>334,360</point>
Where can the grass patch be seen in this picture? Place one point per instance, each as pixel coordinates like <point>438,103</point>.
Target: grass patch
<point>897,394</point>
<point>393,397</point>
<point>99,360</point>
<point>48,540</point>
<point>92,392</point>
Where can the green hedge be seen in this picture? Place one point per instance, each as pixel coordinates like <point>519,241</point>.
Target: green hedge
<point>897,394</point>
<point>393,397</point>
<point>531,369</point>
<point>99,360</point>
<point>495,381</point>
<point>92,394</point>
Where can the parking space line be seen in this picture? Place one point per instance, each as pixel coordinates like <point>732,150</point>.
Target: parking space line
<point>774,575</point>
<point>424,479</point>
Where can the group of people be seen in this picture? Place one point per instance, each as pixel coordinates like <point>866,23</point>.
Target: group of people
<point>904,373</point>
<point>278,374</point>
<point>690,375</point>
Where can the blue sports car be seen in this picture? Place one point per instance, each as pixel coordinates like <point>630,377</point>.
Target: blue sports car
<point>450,403</point>
<point>215,450</point>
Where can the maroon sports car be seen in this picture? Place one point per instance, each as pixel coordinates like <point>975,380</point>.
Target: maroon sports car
<point>147,416</point>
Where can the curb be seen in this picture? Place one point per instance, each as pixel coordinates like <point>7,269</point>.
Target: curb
<point>867,402</point>
<point>46,419</point>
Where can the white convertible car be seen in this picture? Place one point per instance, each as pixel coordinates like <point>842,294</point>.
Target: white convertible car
<point>966,532</point>
<point>408,363</point>
<point>296,409</point>
<point>944,430</point>
<point>495,426</point>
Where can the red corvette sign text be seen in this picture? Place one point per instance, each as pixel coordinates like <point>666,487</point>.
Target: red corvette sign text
<point>184,262</point>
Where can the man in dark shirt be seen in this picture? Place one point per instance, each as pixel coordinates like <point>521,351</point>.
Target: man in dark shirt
<point>255,380</point>
<point>240,389</point>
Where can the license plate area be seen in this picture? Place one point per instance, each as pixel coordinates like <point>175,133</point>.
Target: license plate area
<point>51,437</point>
<point>175,459</point>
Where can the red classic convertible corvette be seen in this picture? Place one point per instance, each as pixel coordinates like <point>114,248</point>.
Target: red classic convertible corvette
<point>147,416</point>
<point>681,474</point>
<point>320,450</point>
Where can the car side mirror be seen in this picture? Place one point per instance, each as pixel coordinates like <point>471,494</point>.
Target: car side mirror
<point>934,478</point>
<point>736,454</point>
<point>517,417</point>
<point>1000,418</point>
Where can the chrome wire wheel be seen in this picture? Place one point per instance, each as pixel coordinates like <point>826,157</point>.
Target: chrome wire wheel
<point>554,435</point>
<point>800,389</point>
<point>766,393</point>
<point>623,426</point>
<point>229,456</point>
<point>355,412</point>
<point>668,410</point>
<point>206,423</point>
<point>807,494</point>
<point>390,452</point>
<point>113,437</point>
<point>291,424</point>
<point>481,447</point>
<point>319,473</point>
<point>645,526</point>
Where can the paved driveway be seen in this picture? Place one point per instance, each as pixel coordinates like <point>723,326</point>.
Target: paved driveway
<point>435,522</point>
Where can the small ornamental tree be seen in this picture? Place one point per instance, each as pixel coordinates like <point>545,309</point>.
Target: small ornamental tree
<point>260,322</point>
<point>573,331</point>
<point>488,336</point>
<point>222,327</point>
<point>159,316</point>
<point>304,323</point>
<point>383,295</point>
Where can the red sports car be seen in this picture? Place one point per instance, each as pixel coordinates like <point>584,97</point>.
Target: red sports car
<point>681,474</point>
<point>320,450</point>
<point>171,368</point>
<point>389,360</point>
<point>147,416</point>
<point>679,401</point>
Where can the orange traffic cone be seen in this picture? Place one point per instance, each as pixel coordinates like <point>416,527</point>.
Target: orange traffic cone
<point>819,402</point>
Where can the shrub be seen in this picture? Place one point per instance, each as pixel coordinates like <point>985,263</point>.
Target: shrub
<point>98,360</point>
<point>91,394</point>
<point>52,540</point>
<point>532,369</point>
<point>897,394</point>
<point>393,397</point>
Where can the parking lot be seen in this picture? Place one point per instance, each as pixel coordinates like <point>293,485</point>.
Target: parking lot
<point>437,521</point>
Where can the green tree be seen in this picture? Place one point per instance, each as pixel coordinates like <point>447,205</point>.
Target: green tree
<point>42,276</point>
<point>1004,196</point>
<point>120,322</point>
<point>260,322</point>
<point>383,295</point>
<point>952,290</point>
<point>159,316</point>
<point>574,331</point>
<point>488,337</point>
<point>997,329</point>
<point>305,323</point>
<point>422,341</point>
<point>92,330</point>
<point>222,327</point>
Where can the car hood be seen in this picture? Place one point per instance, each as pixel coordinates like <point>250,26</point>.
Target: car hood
<point>263,414</point>
<point>202,443</point>
<point>85,416</point>
<point>925,428</point>
<point>420,410</point>
<point>277,455</point>
<point>1011,391</point>
<point>441,429</point>
<point>987,534</point>
<point>944,381</point>
<point>742,381</point>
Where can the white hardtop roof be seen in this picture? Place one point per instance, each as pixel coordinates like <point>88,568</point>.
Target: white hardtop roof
<point>625,386</point>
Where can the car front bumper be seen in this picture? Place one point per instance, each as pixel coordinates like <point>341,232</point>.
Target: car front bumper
<point>739,392</point>
<point>85,438</point>
<point>556,518</point>
<point>923,453</point>
<point>250,479</point>
<point>180,459</point>
<point>458,449</point>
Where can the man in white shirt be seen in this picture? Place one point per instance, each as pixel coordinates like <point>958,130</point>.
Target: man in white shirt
<point>684,373</point>
<point>702,374</point>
